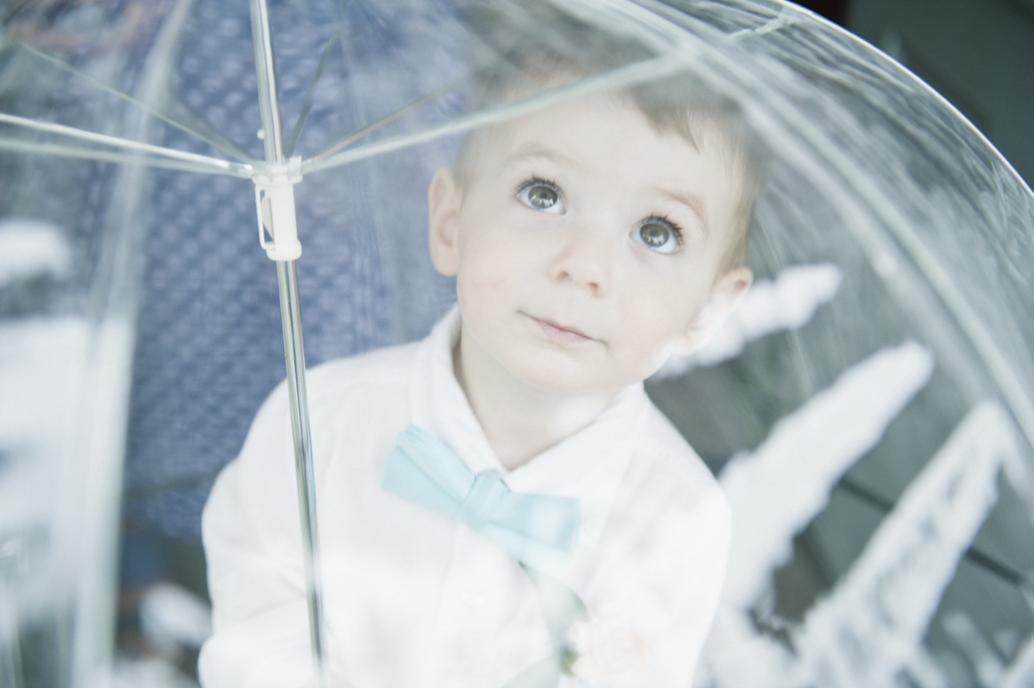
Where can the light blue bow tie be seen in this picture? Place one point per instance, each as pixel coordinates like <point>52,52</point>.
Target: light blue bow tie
<point>424,470</point>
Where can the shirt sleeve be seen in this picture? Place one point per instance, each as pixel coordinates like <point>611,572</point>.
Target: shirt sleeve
<point>251,534</point>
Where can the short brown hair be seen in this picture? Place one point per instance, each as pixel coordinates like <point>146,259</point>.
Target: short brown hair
<point>682,103</point>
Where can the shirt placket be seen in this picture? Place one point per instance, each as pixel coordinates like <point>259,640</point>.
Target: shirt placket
<point>479,590</point>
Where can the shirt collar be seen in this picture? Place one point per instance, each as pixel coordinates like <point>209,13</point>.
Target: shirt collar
<point>588,465</point>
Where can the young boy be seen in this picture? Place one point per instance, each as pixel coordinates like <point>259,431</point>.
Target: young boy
<point>589,241</point>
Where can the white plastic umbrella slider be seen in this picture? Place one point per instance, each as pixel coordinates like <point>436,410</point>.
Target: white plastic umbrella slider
<point>274,203</point>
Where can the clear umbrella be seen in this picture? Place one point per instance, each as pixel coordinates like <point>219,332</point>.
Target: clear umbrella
<point>883,346</point>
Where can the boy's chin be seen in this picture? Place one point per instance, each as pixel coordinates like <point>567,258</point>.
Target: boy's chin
<point>562,377</point>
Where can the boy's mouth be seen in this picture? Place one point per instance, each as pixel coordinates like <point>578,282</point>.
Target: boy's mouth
<point>561,332</point>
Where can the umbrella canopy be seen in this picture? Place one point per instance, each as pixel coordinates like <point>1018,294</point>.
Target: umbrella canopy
<point>866,409</point>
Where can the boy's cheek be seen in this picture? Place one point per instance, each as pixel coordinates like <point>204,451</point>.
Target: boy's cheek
<point>489,269</point>
<point>484,295</point>
<point>659,333</point>
<point>495,261</point>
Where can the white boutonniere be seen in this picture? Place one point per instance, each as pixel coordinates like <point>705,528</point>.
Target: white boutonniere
<point>606,651</point>
<point>602,649</point>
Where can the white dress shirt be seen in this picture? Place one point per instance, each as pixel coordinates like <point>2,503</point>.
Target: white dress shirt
<point>416,599</point>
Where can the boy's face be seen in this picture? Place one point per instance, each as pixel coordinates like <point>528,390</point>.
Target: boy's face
<point>587,246</point>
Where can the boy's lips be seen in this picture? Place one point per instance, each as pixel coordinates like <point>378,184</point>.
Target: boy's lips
<point>561,331</point>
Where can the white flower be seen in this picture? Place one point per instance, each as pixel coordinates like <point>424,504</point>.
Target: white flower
<point>609,653</point>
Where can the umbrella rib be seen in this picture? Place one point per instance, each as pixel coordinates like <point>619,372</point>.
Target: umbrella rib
<point>393,116</point>
<point>374,126</point>
<point>265,70</point>
<point>212,138</point>
<point>201,161</point>
<point>186,121</point>
<point>307,100</point>
<point>86,153</point>
<point>639,72</point>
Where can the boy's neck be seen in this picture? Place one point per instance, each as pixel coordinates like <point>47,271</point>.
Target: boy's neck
<point>520,421</point>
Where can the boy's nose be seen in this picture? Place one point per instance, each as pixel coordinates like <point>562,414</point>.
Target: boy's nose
<point>584,261</point>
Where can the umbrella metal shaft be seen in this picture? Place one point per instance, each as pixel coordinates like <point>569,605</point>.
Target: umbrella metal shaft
<point>265,69</point>
<point>282,218</point>
<point>294,358</point>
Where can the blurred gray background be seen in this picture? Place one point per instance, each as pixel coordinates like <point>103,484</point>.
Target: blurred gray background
<point>979,54</point>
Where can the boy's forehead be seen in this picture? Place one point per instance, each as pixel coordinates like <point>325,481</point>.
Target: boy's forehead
<point>591,129</point>
<point>562,129</point>
<point>530,149</point>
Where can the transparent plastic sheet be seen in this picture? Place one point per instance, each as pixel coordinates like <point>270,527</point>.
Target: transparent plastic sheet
<point>69,301</point>
<point>885,336</point>
<point>911,259</point>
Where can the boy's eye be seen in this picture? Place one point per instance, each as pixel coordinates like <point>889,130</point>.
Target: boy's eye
<point>541,195</point>
<point>659,234</point>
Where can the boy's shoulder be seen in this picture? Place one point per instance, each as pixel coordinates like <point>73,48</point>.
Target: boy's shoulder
<point>374,385</point>
<point>371,374</point>
<point>669,497</point>
<point>384,367</point>
<point>667,461</point>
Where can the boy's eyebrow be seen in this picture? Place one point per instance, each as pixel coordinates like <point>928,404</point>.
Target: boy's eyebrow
<point>532,149</point>
<point>695,204</point>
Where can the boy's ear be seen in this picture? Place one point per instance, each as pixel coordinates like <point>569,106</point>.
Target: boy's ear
<point>727,292</point>
<point>444,199</point>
